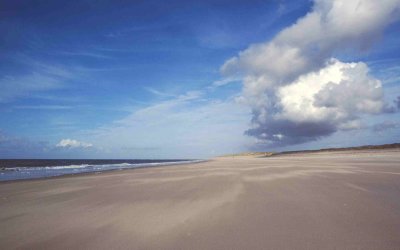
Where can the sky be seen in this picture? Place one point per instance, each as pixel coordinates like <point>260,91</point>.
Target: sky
<point>196,79</point>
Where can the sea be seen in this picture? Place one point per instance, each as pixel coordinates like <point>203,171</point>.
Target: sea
<point>35,168</point>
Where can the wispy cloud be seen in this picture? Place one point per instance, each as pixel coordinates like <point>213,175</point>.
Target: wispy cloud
<point>138,29</point>
<point>158,93</point>
<point>83,54</point>
<point>40,77</point>
<point>43,107</point>
<point>18,86</point>
<point>185,125</point>
<point>225,81</point>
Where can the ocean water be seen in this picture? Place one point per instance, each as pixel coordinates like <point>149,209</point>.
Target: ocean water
<point>32,169</point>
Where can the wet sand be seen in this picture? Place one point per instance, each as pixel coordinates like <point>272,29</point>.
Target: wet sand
<point>333,200</point>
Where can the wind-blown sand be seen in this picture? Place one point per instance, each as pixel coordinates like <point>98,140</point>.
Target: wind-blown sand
<point>334,200</point>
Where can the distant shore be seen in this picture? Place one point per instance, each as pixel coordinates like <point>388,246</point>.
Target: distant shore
<point>331,200</point>
<point>365,147</point>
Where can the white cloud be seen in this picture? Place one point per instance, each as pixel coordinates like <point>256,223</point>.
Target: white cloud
<point>307,44</point>
<point>70,143</point>
<point>338,92</point>
<point>297,91</point>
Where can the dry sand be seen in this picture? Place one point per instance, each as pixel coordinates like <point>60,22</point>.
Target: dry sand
<point>336,200</point>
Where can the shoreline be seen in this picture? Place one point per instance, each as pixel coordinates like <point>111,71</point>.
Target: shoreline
<point>71,175</point>
<point>255,155</point>
<point>309,201</point>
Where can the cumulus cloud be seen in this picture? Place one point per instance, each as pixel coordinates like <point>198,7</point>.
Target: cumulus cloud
<point>297,91</point>
<point>70,143</point>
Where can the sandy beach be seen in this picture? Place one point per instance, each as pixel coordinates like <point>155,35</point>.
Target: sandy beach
<point>330,200</point>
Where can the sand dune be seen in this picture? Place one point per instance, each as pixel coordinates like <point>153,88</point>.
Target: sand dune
<point>326,200</point>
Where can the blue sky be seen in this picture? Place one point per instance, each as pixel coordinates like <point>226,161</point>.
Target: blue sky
<point>147,79</point>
